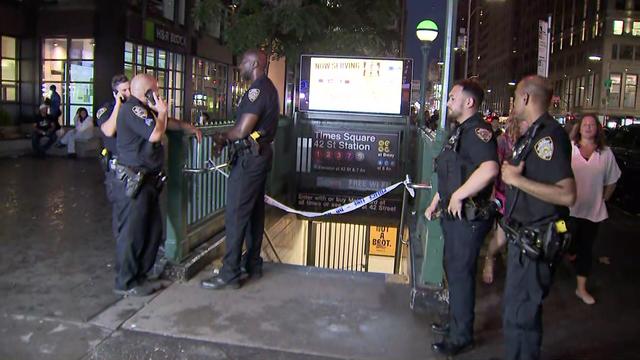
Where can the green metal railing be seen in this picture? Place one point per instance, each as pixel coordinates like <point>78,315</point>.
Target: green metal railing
<point>429,144</point>
<point>196,198</point>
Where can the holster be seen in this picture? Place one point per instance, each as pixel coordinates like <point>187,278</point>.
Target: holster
<point>243,147</point>
<point>131,179</point>
<point>546,242</point>
<point>471,210</point>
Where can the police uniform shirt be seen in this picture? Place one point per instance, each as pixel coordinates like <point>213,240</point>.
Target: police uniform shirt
<point>476,144</point>
<point>262,99</point>
<point>547,160</point>
<point>136,122</point>
<point>102,115</point>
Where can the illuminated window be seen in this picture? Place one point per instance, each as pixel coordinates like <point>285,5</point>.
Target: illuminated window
<point>635,30</point>
<point>166,67</point>
<point>630,90</point>
<point>68,64</point>
<point>9,71</point>
<point>617,27</point>
<point>616,84</point>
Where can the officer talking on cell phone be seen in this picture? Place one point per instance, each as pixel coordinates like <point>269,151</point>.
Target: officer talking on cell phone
<point>466,168</point>
<point>540,190</point>
<point>141,122</point>
<point>249,143</point>
<point>107,118</point>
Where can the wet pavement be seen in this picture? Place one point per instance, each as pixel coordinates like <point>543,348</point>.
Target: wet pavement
<point>56,259</point>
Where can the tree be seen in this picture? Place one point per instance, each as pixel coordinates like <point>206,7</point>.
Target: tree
<point>291,27</point>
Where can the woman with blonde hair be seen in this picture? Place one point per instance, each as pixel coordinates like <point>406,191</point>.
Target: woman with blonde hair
<point>506,142</point>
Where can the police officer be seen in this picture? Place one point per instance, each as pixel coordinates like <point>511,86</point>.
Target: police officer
<point>139,166</point>
<point>107,117</point>
<point>466,168</point>
<point>250,139</point>
<point>540,189</point>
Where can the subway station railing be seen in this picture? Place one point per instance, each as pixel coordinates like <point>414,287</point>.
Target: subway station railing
<point>427,271</point>
<point>196,199</point>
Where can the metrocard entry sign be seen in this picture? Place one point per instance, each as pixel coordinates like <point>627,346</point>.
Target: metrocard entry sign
<point>382,240</point>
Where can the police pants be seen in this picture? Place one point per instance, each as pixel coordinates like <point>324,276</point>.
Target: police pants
<point>462,242</point>
<point>116,195</point>
<point>244,216</point>
<point>527,284</point>
<point>140,237</point>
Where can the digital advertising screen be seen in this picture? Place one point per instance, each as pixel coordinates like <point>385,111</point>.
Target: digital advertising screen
<point>355,85</point>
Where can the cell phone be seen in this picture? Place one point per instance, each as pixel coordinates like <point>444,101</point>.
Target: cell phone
<point>115,93</point>
<point>149,96</point>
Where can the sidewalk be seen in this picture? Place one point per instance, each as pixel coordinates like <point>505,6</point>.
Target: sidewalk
<point>56,276</point>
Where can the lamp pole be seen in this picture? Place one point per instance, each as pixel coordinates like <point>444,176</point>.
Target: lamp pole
<point>423,82</point>
<point>426,31</point>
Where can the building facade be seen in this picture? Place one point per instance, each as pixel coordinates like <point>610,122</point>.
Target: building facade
<point>502,46</point>
<point>595,60</point>
<point>78,45</point>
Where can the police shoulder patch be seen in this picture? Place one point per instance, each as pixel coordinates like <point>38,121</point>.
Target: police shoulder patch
<point>253,94</point>
<point>544,148</point>
<point>140,112</point>
<point>484,134</point>
<point>100,112</point>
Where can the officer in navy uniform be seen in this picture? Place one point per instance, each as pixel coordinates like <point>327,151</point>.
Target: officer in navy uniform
<point>466,168</point>
<point>107,119</point>
<point>140,127</point>
<point>250,139</point>
<point>540,189</point>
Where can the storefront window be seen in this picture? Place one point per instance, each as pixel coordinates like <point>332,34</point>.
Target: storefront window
<point>165,66</point>
<point>630,90</point>
<point>9,73</point>
<point>68,64</point>
<point>209,91</point>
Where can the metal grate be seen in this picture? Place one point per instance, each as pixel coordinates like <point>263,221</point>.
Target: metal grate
<point>339,246</point>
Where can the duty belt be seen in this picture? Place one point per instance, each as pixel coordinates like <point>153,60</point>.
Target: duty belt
<point>545,242</point>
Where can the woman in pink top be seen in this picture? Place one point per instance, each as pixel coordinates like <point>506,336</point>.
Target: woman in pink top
<point>506,141</point>
<point>596,173</point>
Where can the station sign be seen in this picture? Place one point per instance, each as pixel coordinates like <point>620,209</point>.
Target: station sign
<point>359,153</point>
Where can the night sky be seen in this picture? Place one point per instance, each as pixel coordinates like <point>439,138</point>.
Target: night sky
<point>418,10</point>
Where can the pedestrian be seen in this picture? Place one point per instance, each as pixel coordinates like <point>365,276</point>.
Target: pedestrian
<point>45,127</point>
<point>596,173</point>
<point>505,142</point>
<point>83,131</point>
<point>140,162</point>
<point>540,189</point>
<point>132,129</point>
<point>54,103</point>
<point>250,144</point>
<point>466,168</point>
